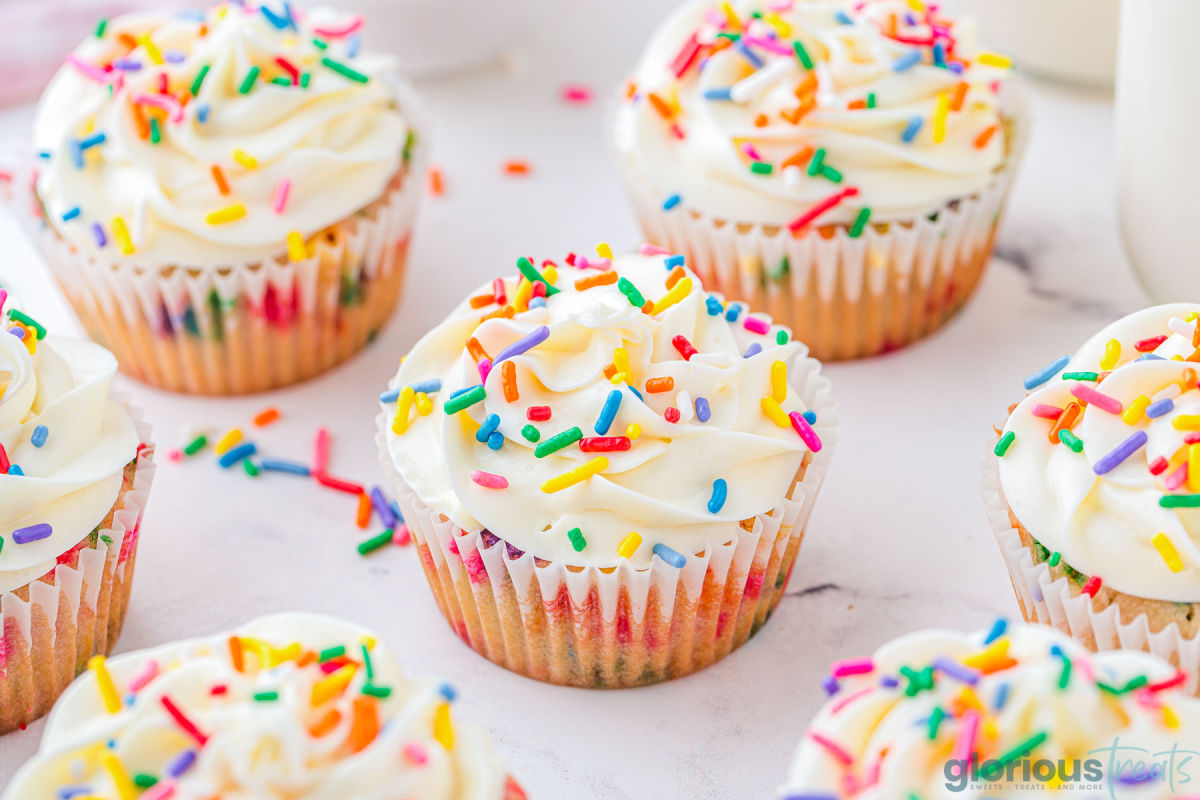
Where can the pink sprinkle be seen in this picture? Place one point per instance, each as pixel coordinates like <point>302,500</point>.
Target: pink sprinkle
<point>485,366</point>
<point>1098,399</point>
<point>856,666</point>
<point>602,264</point>
<point>321,450</point>
<point>848,699</point>
<point>769,45</point>
<point>749,150</point>
<point>147,675</point>
<point>402,536</point>
<point>653,250</point>
<point>806,431</point>
<point>1176,478</point>
<point>489,480</point>
<point>165,102</point>
<point>835,749</point>
<point>3,295</point>
<point>333,32</point>
<point>756,325</point>
<point>1047,412</point>
<point>873,772</point>
<point>967,733</point>
<point>576,93</point>
<point>88,70</point>
<point>279,200</point>
<point>160,791</point>
<point>415,754</point>
<point>174,455</point>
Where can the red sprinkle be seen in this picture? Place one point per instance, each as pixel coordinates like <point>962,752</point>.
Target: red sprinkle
<point>1092,586</point>
<point>336,483</point>
<point>1158,465</point>
<point>606,444</point>
<point>686,56</point>
<point>182,721</point>
<point>1170,683</point>
<point>1148,345</point>
<point>537,413</point>
<point>220,688</point>
<point>498,293</point>
<point>671,414</point>
<point>685,348</point>
<point>4,462</point>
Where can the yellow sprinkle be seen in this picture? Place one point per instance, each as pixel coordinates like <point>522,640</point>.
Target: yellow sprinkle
<point>1178,458</point>
<point>1170,718</point>
<point>576,475</point>
<point>330,687</point>
<point>779,24</point>
<point>916,5</point>
<point>228,214</point>
<point>618,378</point>
<point>524,292</point>
<point>550,274</point>
<point>152,50</point>
<point>939,117</point>
<point>404,404</point>
<point>1112,354</point>
<point>633,431</point>
<point>226,442</point>
<point>121,234</point>
<point>1167,550</point>
<point>969,699</point>
<point>443,726</point>
<point>603,250</point>
<point>368,642</point>
<point>779,381</point>
<point>775,413</point>
<point>1191,316</point>
<point>994,60</point>
<point>731,17</point>
<point>989,728</point>
<point>1137,409</point>
<point>120,778</point>
<point>630,544</point>
<point>297,251</point>
<point>424,404</point>
<point>1186,422</point>
<point>108,691</point>
<point>281,655</point>
<point>677,293</point>
<point>245,159</point>
<point>996,652</point>
<point>621,360</point>
<point>1193,478</point>
<point>30,337</point>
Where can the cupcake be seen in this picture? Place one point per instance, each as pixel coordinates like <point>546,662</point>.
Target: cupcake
<point>1005,714</point>
<point>607,472</point>
<point>226,196</point>
<point>293,705</point>
<point>75,473</point>
<point>839,164</point>
<point>1093,489</point>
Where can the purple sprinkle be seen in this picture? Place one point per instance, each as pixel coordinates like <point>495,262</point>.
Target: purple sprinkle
<point>889,681</point>
<point>960,672</point>
<point>703,412</point>
<point>174,57</point>
<point>526,342</point>
<point>181,763</point>
<point>1157,409</point>
<point>830,685</point>
<point>33,533</point>
<point>17,332</point>
<point>382,508</point>
<point>1124,450</point>
<point>127,64</point>
<point>752,350</point>
<point>98,234</point>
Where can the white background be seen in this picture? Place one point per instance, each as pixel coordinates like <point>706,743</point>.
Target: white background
<point>898,540</point>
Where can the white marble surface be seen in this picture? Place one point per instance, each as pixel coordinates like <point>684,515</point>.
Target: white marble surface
<point>897,542</point>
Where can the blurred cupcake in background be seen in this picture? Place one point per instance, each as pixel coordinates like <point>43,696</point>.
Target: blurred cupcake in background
<point>840,165</point>
<point>227,195</point>
<point>75,473</point>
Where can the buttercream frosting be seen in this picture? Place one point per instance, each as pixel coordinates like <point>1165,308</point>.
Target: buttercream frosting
<point>703,455</point>
<point>1019,696</point>
<point>279,719</point>
<point>761,112</point>
<point>207,138</point>
<point>66,443</point>
<point>1123,508</point>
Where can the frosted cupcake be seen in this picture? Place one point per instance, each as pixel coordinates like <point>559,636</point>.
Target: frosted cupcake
<point>227,195</point>
<point>75,472</point>
<point>293,705</point>
<point>1006,714</point>
<point>1093,488</point>
<point>841,165</point>
<point>607,472</point>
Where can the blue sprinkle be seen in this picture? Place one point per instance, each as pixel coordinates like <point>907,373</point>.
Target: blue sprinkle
<point>279,465</point>
<point>1046,373</point>
<point>912,129</point>
<point>718,94</point>
<point>608,412</point>
<point>939,54</point>
<point>637,394</point>
<point>496,440</point>
<point>906,61</point>
<point>278,21</point>
<point>464,390</point>
<point>720,491</point>
<point>39,435</point>
<point>671,202</point>
<point>703,412</point>
<point>13,469</point>
<point>714,306</point>
<point>673,261</point>
<point>1158,409</point>
<point>44,154</point>
<point>76,153</point>
<point>749,55</point>
<point>92,141</point>
<point>672,557</point>
<point>752,350</point>
<point>395,507</point>
<point>999,628</point>
<point>431,386</point>
<point>489,426</point>
<point>202,113</point>
<point>67,792</point>
<point>447,691</point>
<point>70,214</point>
<point>1002,696</point>
<point>1150,357</point>
<point>353,45</point>
<point>537,302</point>
<point>810,416</point>
<point>842,17</point>
<point>731,313</point>
<point>98,234</point>
<point>235,455</point>
<point>390,396</point>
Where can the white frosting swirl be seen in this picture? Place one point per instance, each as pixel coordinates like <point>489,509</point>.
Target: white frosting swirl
<point>661,486</point>
<point>1107,525</point>
<point>855,60</point>
<point>266,747</point>
<point>72,480</point>
<point>885,731</point>
<point>337,142</point>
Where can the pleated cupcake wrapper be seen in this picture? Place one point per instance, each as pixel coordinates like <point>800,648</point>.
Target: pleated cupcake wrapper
<point>845,297</point>
<point>584,626</point>
<point>1059,603</point>
<point>47,637</point>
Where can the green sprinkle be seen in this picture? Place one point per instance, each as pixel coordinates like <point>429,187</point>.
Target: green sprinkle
<point>1080,376</point>
<point>860,223</point>
<point>465,400</point>
<point>1005,442</point>
<point>1180,501</point>
<point>155,131</point>
<point>199,81</point>
<point>531,433</point>
<point>344,71</point>
<point>144,780</point>
<point>106,538</point>
<point>320,45</point>
<point>368,664</point>
<point>626,287</point>
<point>870,99</point>
<point>831,173</point>
<point>196,445</point>
<point>761,168</point>
<point>1064,677</point>
<point>248,81</point>
<point>577,540</point>
<point>560,440</point>
<point>1135,684</point>
<point>1071,440</point>
<point>21,316</point>
<point>1023,749</point>
<point>330,653</point>
<point>281,80</point>
<point>376,691</point>
<point>817,162</point>
<point>101,27</point>
<point>531,274</point>
<point>781,336</point>
<point>266,697</point>
<point>250,467</point>
<point>802,54</point>
<point>1055,557</point>
<point>375,542</point>
<point>1,543</point>
<point>1107,687</point>
<point>733,37</point>
<point>935,722</point>
<point>305,79</point>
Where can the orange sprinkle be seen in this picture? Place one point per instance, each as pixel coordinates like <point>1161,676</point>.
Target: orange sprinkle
<point>306,658</point>
<point>266,416</point>
<point>127,40</point>
<point>476,350</point>
<point>855,105</point>
<point>326,723</point>
<point>797,159</point>
<point>506,312</point>
<point>436,186</point>
<point>761,121</point>
<point>599,279</point>
<point>508,380</point>
<point>675,277</point>
<point>364,726</point>
<point>610,370</point>
<point>143,125</point>
<point>656,385</point>
<point>1065,420</point>
<point>630,89</point>
<point>661,106</point>
<point>807,86</point>
<point>648,307</point>
<point>806,105</point>
<point>363,517</point>
<point>982,139</point>
<point>482,300</point>
<point>235,653</point>
<point>517,167</point>
<point>960,94</point>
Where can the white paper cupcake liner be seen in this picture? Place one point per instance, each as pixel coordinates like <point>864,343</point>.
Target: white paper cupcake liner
<point>1058,603</point>
<point>585,626</point>
<point>48,631</point>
